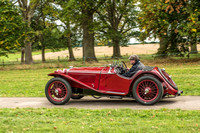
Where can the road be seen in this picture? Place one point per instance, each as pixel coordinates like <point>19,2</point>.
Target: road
<point>182,102</point>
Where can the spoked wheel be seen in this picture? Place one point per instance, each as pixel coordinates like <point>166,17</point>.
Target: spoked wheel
<point>58,91</point>
<point>147,90</point>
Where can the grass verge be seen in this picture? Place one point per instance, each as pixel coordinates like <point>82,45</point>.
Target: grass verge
<point>106,120</point>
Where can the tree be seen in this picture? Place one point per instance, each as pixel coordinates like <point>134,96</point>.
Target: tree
<point>11,27</point>
<point>69,30</point>
<point>68,35</point>
<point>82,13</point>
<point>161,21</point>
<point>117,21</point>
<point>27,11</point>
<point>191,26</point>
<point>49,38</point>
<point>165,20</point>
<point>42,22</point>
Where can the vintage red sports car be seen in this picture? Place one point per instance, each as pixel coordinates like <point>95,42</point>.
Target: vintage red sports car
<point>147,86</point>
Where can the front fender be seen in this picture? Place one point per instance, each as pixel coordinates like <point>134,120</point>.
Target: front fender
<point>72,80</point>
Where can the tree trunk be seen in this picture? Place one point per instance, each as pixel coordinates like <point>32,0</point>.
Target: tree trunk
<point>194,46</point>
<point>28,53</point>
<point>71,54</point>
<point>43,46</point>
<point>88,37</point>
<point>173,44</point>
<point>194,49</point>
<point>69,44</point>
<point>43,53</point>
<point>162,50</point>
<point>116,49</point>
<point>28,47</point>
<point>27,14</point>
<point>22,55</point>
<point>114,20</point>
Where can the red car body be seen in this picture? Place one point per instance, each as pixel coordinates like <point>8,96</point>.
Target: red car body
<point>152,82</point>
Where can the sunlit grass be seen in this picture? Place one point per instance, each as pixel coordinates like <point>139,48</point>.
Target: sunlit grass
<point>106,120</point>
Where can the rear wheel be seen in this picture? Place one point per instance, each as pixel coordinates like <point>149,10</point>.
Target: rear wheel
<point>58,91</point>
<point>147,90</point>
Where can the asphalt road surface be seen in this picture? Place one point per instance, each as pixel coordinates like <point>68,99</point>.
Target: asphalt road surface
<point>182,102</point>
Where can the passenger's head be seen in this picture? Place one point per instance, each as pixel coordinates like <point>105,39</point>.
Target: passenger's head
<point>133,59</point>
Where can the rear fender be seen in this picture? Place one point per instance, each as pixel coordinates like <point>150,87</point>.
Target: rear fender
<point>170,90</point>
<point>153,74</point>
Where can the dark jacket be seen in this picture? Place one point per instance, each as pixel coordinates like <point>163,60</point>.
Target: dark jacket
<point>137,66</point>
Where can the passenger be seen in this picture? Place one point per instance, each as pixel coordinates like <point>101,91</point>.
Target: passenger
<point>137,65</point>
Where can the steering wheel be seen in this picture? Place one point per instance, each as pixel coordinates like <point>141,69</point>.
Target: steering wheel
<point>121,68</point>
<point>124,64</point>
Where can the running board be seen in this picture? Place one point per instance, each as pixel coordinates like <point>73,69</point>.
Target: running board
<point>111,92</point>
<point>116,97</point>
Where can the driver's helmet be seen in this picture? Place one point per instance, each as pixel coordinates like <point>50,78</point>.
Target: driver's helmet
<point>134,57</point>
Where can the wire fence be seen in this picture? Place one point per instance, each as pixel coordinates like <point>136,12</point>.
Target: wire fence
<point>104,57</point>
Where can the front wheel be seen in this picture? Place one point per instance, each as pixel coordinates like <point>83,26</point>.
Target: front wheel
<point>147,90</point>
<point>58,91</point>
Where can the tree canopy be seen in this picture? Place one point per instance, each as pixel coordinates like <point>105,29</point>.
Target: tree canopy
<point>33,24</point>
<point>12,28</point>
<point>173,22</point>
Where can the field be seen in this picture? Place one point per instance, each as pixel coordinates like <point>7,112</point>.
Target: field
<point>105,51</point>
<point>100,51</point>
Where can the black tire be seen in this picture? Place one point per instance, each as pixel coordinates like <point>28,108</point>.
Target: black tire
<point>66,90</point>
<point>142,92</point>
<point>74,96</point>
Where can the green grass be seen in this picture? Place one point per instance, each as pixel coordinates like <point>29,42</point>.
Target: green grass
<point>16,56</point>
<point>104,121</point>
<point>28,83</point>
<point>187,77</point>
<point>31,82</point>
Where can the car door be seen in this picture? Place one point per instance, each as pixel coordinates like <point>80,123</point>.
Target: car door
<point>112,82</point>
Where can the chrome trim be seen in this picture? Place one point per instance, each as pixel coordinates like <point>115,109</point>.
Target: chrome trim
<point>71,71</point>
<point>110,70</point>
<point>67,70</point>
<point>114,92</point>
<point>108,73</point>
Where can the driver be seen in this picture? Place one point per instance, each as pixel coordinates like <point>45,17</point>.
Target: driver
<point>137,65</point>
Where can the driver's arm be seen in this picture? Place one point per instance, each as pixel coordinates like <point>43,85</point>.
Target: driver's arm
<point>129,73</point>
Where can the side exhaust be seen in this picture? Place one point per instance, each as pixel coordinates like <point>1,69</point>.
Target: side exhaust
<point>179,92</point>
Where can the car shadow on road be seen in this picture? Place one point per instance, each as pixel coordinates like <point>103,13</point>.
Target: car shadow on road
<point>115,102</point>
